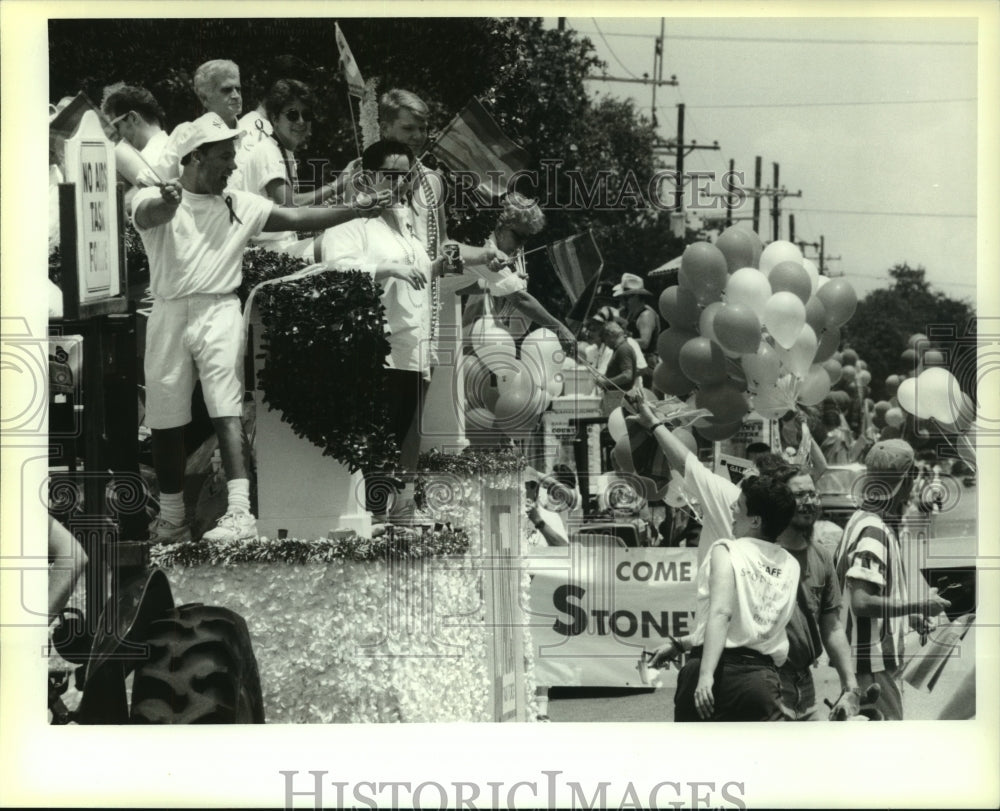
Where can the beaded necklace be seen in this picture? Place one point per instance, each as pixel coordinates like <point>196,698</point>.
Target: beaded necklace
<point>430,200</point>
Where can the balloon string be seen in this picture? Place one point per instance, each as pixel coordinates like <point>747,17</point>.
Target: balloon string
<point>597,375</point>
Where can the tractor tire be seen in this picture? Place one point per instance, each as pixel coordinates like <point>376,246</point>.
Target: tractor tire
<point>201,670</point>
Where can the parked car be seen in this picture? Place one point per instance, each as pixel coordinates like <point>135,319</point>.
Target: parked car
<point>839,489</point>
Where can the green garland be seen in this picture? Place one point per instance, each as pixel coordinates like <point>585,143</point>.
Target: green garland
<point>326,346</point>
<point>397,543</point>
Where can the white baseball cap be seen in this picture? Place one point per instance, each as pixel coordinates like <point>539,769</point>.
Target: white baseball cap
<point>208,129</point>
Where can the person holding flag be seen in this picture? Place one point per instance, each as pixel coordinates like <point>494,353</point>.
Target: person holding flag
<point>520,218</point>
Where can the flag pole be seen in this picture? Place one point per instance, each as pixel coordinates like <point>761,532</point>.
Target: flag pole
<point>354,126</point>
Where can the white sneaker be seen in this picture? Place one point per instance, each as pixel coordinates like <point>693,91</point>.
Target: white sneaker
<point>162,531</point>
<point>235,525</point>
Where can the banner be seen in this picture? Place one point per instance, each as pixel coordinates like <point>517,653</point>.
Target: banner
<point>348,67</point>
<point>593,609</point>
<point>472,142</point>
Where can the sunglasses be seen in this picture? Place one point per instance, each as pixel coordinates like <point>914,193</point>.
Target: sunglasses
<point>122,117</point>
<point>294,116</point>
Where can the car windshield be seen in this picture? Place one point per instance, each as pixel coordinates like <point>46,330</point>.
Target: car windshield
<point>837,481</point>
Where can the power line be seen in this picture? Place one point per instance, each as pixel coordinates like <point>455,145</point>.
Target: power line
<point>790,40</point>
<point>932,283</point>
<point>886,213</point>
<point>831,103</point>
<point>608,45</point>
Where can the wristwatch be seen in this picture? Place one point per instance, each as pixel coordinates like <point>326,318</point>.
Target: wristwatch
<point>656,425</point>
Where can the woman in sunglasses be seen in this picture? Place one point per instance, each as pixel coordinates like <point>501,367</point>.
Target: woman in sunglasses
<point>266,165</point>
<point>389,249</point>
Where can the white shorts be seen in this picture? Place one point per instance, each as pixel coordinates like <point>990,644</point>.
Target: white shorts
<point>198,337</point>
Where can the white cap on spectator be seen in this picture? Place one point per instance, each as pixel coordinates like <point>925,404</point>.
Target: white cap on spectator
<point>208,129</point>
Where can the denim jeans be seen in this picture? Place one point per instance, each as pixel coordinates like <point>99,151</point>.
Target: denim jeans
<point>746,688</point>
<point>798,693</point>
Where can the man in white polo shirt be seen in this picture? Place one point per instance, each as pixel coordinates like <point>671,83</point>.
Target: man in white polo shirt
<point>194,235</point>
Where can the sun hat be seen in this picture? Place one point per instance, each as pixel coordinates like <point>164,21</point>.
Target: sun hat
<point>631,285</point>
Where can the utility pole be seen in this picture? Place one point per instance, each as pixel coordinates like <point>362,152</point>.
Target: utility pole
<point>729,197</point>
<point>775,192</point>
<point>821,257</point>
<point>658,66</point>
<point>775,222</point>
<point>756,196</point>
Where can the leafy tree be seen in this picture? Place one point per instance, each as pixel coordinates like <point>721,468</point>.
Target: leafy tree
<point>886,318</point>
<point>532,80</point>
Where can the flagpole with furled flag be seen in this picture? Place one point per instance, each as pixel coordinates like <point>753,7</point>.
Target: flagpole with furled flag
<point>352,77</point>
<point>578,263</point>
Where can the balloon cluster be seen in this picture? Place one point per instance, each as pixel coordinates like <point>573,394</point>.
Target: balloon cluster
<point>750,327</point>
<point>506,392</point>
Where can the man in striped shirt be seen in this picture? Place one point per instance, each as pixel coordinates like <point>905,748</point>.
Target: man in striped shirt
<point>870,570</point>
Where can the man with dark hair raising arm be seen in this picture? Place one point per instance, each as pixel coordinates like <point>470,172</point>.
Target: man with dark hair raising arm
<point>194,237</point>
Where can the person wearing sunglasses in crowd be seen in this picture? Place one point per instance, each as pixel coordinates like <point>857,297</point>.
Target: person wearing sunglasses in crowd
<point>816,623</point>
<point>267,166</point>
<point>389,248</point>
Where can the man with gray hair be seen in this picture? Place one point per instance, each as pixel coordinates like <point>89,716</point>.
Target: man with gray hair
<point>216,83</point>
<point>871,574</point>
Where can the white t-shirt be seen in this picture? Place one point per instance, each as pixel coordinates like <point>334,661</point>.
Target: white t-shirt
<point>261,164</point>
<point>200,250</point>
<point>152,153</point>
<point>168,163</point>
<point>362,244</point>
<point>767,578</point>
<point>716,496</point>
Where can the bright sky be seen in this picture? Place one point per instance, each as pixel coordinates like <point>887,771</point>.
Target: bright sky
<point>874,120</point>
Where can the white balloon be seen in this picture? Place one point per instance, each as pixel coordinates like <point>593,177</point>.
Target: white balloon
<point>799,356</point>
<point>813,272</point>
<point>815,386</point>
<point>616,425</point>
<point>493,344</point>
<point>784,317</point>
<point>938,395</point>
<point>750,287</point>
<point>777,252</point>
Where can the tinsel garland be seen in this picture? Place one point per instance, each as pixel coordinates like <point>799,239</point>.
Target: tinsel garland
<point>325,343</point>
<point>398,543</point>
<point>473,462</point>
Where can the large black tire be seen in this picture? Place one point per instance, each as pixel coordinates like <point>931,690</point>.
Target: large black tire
<point>201,670</point>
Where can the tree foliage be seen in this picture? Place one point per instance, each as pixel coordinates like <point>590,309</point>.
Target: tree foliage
<point>886,318</point>
<point>531,79</point>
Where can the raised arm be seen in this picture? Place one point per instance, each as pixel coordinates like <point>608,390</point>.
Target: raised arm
<point>677,452</point>
<point>153,212</point>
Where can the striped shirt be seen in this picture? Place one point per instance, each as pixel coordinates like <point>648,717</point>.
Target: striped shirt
<point>869,551</point>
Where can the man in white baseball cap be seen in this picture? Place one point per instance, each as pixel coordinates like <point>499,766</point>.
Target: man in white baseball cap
<point>194,235</point>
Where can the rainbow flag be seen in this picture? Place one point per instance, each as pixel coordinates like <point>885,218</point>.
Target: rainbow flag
<point>349,68</point>
<point>472,142</point>
<point>578,263</point>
